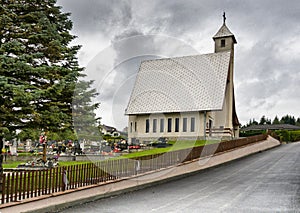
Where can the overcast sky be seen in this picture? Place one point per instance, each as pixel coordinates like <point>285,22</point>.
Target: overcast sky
<point>116,35</point>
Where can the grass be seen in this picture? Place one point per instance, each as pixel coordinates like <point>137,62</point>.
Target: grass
<point>24,154</point>
<point>176,145</point>
<point>11,164</point>
<point>71,163</point>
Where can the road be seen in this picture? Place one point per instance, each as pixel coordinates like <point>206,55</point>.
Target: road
<point>264,182</point>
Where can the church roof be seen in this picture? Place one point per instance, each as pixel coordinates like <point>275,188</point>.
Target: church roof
<point>181,84</point>
<point>224,32</point>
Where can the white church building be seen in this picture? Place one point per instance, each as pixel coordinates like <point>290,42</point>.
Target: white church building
<point>189,97</point>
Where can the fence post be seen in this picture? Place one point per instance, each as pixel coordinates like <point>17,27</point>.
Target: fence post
<point>3,188</point>
<point>64,179</point>
<point>1,167</point>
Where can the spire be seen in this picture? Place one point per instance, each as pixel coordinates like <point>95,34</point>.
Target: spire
<point>224,31</point>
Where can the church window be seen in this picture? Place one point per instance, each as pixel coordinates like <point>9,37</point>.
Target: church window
<point>162,125</point>
<point>184,124</point>
<point>223,43</point>
<point>154,125</point>
<point>169,124</point>
<point>193,124</point>
<point>176,124</point>
<point>147,125</point>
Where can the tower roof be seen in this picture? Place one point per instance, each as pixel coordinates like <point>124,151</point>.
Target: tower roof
<point>224,32</point>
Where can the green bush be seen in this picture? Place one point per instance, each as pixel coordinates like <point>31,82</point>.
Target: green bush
<point>252,133</point>
<point>295,135</point>
<point>288,136</point>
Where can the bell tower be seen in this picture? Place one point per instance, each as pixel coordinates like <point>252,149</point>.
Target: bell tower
<point>224,39</point>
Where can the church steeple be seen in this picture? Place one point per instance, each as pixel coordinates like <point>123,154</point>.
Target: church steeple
<point>224,38</point>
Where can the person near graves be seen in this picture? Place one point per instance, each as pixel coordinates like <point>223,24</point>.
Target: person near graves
<point>4,153</point>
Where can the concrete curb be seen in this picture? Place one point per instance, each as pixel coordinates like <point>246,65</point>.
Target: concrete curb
<point>58,201</point>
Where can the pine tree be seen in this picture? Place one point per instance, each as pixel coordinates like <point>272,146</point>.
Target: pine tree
<point>85,121</point>
<point>298,122</point>
<point>287,119</point>
<point>276,120</point>
<point>38,67</point>
<point>263,120</point>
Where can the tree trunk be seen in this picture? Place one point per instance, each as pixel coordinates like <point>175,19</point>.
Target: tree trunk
<point>1,167</point>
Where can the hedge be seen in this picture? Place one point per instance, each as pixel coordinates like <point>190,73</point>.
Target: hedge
<point>288,136</point>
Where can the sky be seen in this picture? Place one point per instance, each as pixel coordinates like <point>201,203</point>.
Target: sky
<point>116,35</point>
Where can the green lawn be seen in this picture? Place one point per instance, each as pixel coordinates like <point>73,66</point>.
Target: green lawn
<point>71,163</point>
<point>175,146</point>
<point>11,164</point>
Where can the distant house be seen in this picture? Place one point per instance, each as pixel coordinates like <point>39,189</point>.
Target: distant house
<point>267,127</point>
<point>109,130</point>
<point>187,97</point>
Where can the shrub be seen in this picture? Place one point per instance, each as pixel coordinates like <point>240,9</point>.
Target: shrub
<point>288,136</point>
<point>295,136</point>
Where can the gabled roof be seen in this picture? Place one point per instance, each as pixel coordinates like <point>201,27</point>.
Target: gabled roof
<point>182,84</point>
<point>224,32</point>
<point>271,127</point>
<point>108,128</point>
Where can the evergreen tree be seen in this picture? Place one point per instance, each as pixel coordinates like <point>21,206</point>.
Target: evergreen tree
<point>38,69</point>
<point>276,120</point>
<point>298,122</point>
<point>85,122</point>
<point>287,119</point>
<point>263,120</point>
<point>252,122</point>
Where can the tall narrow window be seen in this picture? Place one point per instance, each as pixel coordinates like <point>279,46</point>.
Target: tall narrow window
<point>223,43</point>
<point>162,125</point>
<point>193,124</point>
<point>154,125</point>
<point>184,124</point>
<point>176,124</point>
<point>147,125</point>
<point>169,124</point>
<point>130,127</point>
<point>135,126</point>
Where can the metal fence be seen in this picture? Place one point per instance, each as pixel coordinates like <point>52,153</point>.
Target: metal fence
<point>20,185</point>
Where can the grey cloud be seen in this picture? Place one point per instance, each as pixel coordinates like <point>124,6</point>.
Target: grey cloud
<point>94,16</point>
<point>261,28</point>
<point>126,34</point>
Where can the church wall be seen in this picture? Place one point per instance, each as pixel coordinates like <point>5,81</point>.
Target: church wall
<point>137,126</point>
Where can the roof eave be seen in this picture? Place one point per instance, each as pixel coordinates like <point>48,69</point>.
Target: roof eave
<point>233,37</point>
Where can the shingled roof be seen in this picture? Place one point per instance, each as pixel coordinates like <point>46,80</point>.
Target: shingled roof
<point>181,84</point>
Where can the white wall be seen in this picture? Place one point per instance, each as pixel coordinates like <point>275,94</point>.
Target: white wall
<point>140,130</point>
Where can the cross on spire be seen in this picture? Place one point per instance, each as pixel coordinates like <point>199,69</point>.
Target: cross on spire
<point>224,18</point>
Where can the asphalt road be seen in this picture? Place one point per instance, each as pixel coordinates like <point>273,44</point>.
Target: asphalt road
<point>264,182</point>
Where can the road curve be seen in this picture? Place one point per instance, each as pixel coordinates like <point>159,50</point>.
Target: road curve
<point>264,182</point>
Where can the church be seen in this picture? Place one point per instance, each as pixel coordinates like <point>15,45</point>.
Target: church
<point>186,98</point>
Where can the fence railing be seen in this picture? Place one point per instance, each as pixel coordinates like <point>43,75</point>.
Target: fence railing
<point>20,185</point>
